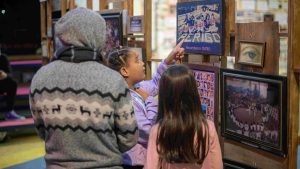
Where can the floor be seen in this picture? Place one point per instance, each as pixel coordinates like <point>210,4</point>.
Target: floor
<point>20,147</point>
<point>24,150</point>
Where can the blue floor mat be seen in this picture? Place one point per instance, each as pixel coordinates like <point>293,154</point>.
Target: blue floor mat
<point>38,163</point>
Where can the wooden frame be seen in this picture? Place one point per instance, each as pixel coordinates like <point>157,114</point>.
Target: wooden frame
<point>135,24</point>
<point>251,53</point>
<point>207,78</point>
<point>201,24</point>
<point>235,165</point>
<point>254,110</point>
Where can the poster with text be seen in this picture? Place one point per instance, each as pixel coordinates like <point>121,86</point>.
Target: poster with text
<point>201,24</point>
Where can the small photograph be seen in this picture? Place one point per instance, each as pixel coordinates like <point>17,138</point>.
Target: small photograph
<point>207,78</point>
<point>205,89</point>
<point>135,24</point>
<point>251,53</point>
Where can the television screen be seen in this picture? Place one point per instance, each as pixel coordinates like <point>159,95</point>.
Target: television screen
<point>254,109</point>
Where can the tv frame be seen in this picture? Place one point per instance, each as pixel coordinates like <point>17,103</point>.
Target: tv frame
<point>205,48</point>
<point>109,16</point>
<point>216,72</point>
<point>281,148</point>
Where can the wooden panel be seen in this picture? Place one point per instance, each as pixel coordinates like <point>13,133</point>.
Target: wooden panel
<point>43,20</point>
<point>295,32</point>
<point>148,36</point>
<point>130,7</point>
<point>103,4</point>
<point>226,33</point>
<point>293,80</point>
<point>261,32</point>
<point>63,7</point>
<point>72,4</point>
<point>231,15</point>
<point>89,4</point>
<point>21,57</point>
<point>252,157</point>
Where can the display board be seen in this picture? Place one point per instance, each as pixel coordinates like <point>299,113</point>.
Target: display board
<point>201,24</point>
<point>207,79</point>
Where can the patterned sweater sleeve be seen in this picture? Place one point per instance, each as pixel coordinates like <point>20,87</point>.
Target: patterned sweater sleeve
<point>125,121</point>
<point>151,86</point>
<point>37,118</point>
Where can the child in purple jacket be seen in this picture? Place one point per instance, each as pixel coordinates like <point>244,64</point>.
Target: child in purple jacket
<point>128,64</point>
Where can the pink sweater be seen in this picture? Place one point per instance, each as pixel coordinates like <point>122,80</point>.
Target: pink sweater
<point>213,159</point>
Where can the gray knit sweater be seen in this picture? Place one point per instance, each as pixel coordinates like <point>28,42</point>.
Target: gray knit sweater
<point>84,113</point>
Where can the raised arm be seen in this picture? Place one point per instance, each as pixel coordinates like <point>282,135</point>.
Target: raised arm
<point>151,86</point>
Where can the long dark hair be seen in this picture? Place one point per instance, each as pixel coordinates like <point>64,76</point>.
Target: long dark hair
<point>182,127</point>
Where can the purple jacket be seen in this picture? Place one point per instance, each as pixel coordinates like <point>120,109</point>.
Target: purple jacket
<point>145,113</point>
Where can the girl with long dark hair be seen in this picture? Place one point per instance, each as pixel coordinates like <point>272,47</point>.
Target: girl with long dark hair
<point>182,137</point>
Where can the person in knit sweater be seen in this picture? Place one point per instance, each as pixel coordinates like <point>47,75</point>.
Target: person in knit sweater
<point>82,108</point>
<point>128,64</point>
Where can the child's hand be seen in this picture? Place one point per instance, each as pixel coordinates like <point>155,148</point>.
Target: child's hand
<point>176,53</point>
<point>142,92</point>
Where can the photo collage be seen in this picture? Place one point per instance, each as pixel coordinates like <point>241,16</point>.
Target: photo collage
<point>206,89</point>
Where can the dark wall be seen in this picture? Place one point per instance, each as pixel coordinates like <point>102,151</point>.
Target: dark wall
<point>20,26</point>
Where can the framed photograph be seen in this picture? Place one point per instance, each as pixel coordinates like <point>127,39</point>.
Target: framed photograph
<point>207,79</point>
<point>135,24</point>
<point>114,30</point>
<point>201,24</point>
<point>254,110</point>
<point>251,53</point>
